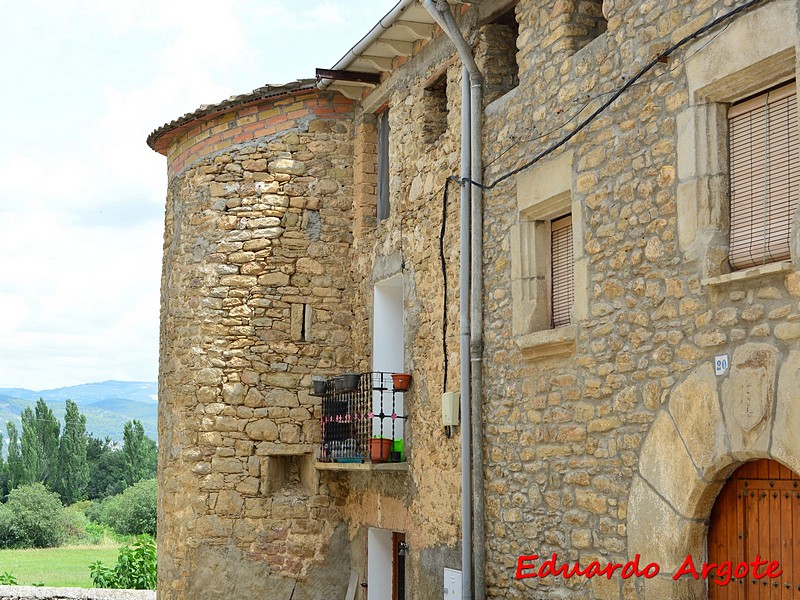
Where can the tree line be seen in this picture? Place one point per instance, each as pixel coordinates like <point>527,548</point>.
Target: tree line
<point>71,462</point>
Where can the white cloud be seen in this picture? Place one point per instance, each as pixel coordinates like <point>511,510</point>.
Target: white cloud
<point>82,200</point>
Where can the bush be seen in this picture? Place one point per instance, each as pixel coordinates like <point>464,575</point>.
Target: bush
<point>133,512</point>
<point>135,568</point>
<point>33,517</point>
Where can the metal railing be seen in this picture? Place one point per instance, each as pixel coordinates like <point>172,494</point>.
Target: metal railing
<point>363,418</point>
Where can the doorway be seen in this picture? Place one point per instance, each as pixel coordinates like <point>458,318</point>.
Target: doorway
<point>386,565</point>
<point>388,352</point>
<point>757,513</point>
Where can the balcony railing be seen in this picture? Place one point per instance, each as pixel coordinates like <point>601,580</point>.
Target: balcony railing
<point>363,419</point>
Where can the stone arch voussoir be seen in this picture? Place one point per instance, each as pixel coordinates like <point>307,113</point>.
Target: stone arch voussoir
<point>709,427</point>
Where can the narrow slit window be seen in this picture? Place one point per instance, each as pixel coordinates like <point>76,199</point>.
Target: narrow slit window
<point>562,278</point>
<point>383,165</point>
<point>764,177</point>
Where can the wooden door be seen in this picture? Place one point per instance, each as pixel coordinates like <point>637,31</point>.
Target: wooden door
<point>398,566</point>
<point>757,513</point>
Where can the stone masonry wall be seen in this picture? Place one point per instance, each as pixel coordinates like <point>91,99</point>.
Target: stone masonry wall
<point>424,502</point>
<point>255,272</point>
<point>565,436</point>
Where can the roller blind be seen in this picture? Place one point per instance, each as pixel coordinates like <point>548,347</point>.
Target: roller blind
<point>562,279</point>
<point>764,177</point>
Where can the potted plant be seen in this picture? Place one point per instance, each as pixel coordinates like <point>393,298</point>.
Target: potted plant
<point>401,381</point>
<point>379,449</point>
<point>319,387</point>
<point>350,382</point>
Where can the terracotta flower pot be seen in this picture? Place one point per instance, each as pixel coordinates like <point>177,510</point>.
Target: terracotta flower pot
<point>379,449</point>
<point>401,381</point>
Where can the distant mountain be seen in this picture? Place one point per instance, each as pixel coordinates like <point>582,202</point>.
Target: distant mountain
<point>107,405</point>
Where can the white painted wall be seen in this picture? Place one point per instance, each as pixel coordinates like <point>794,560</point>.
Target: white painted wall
<point>379,564</point>
<point>388,343</point>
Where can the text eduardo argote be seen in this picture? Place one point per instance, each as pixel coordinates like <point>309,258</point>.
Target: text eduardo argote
<point>720,573</point>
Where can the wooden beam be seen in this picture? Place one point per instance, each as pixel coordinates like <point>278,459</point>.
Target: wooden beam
<point>397,46</point>
<point>360,76</point>
<point>421,31</point>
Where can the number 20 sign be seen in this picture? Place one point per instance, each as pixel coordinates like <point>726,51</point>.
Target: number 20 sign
<point>721,364</point>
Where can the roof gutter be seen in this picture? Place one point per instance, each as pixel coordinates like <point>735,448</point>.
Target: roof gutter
<point>356,51</point>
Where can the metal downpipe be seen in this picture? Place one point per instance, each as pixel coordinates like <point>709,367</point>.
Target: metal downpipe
<point>471,310</point>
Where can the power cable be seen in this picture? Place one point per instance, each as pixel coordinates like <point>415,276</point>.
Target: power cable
<point>615,95</point>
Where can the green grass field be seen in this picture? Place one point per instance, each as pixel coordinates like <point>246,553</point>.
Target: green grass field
<point>67,566</point>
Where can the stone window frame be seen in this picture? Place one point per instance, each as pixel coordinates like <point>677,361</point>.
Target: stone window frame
<point>501,14</point>
<point>435,107</point>
<point>735,65</point>
<point>544,194</point>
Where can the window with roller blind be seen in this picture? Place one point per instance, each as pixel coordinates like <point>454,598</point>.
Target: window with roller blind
<point>562,280</point>
<point>764,177</point>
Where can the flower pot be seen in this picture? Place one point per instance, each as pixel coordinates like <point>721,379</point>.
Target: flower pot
<point>401,381</point>
<point>338,383</point>
<point>319,387</point>
<point>350,382</point>
<point>379,449</point>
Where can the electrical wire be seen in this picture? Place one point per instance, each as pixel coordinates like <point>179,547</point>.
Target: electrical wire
<point>444,283</point>
<point>615,95</point>
<point>589,99</point>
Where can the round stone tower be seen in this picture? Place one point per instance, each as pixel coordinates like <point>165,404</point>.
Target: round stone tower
<point>256,247</point>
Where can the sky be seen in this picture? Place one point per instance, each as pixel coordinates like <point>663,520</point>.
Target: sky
<point>82,84</point>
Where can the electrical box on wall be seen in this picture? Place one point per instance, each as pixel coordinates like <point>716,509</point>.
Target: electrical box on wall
<point>450,402</point>
<point>452,584</point>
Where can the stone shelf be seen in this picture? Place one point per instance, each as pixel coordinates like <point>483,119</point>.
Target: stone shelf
<point>366,466</point>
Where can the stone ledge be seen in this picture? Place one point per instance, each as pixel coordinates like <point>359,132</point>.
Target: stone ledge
<point>334,466</point>
<point>549,342</point>
<point>24,592</point>
<point>753,273</point>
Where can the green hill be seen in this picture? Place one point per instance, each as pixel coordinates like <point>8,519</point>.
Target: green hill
<point>107,405</point>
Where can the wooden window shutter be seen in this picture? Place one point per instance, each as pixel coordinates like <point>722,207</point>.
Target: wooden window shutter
<point>764,177</point>
<point>562,279</point>
<point>383,165</point>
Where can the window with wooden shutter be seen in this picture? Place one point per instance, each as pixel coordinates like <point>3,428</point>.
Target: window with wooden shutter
<point>562,279</point>
<point>764,177</point>
<point>383,165</point>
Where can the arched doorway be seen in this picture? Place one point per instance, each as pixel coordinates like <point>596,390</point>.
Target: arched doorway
<point>757,513</point>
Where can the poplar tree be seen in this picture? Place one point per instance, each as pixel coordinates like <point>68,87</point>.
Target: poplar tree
<point>14,463</point>
<point>136,451</point>
<point>39,441</point>
<point>72,476</point>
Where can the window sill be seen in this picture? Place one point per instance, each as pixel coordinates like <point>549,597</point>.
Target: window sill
<point>747,274</point>
<point>334,466</point>
<point>549,342</point>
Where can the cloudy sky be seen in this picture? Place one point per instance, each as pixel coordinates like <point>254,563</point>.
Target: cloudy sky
<point>82,84</point>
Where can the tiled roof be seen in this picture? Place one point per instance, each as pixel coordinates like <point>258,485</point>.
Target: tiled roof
<point>206,110</point>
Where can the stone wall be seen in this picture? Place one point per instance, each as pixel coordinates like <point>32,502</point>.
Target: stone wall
<point>579,452</point>
<point>423,503</point>
<point>254,302</point>
<point>23,592</point>
<point>611,442</point>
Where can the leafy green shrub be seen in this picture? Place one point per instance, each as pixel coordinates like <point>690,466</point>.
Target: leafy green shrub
<point>33,518</point>
<point>132,512</point>
<point>75,526</point>
<point>6,527</point>
<point>7,578</point>
<point>135,568</point>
